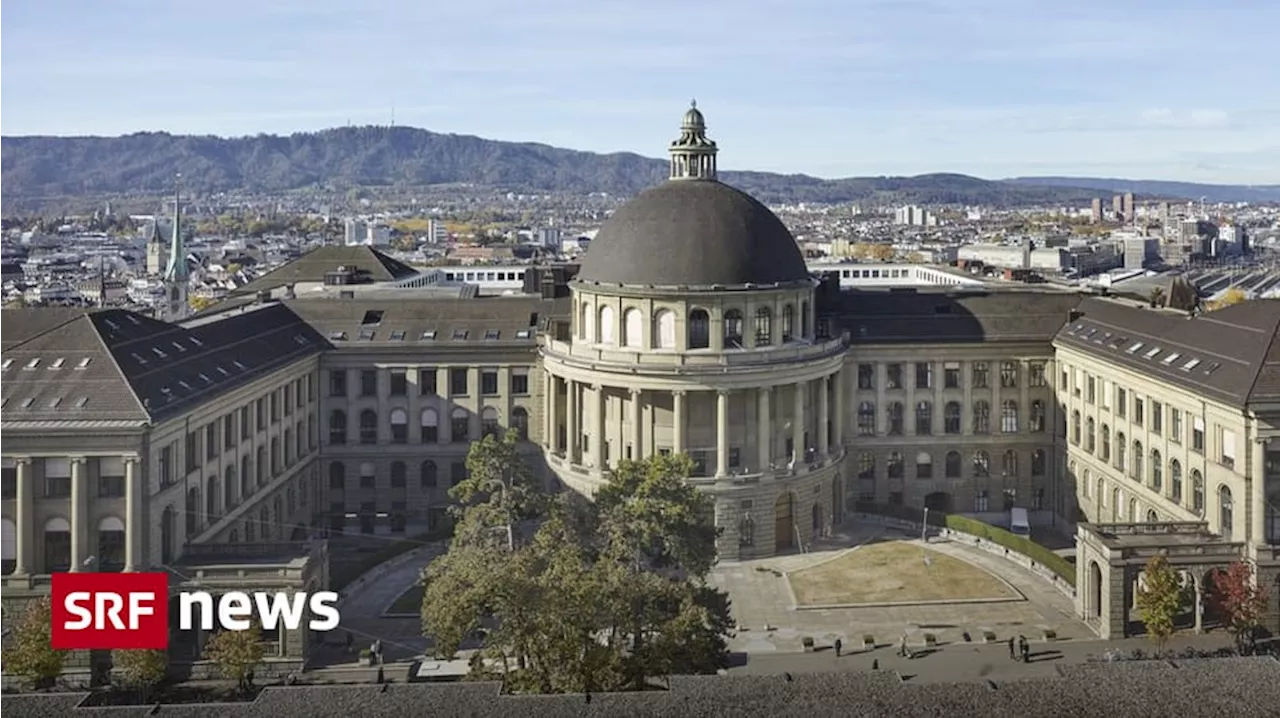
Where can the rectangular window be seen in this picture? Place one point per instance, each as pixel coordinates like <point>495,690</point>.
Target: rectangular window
<point>1175,425</point>
<point>229,431</point>
<point>275,406</point>
<point>866,376</point>
<point>1197,434</point>
<point>951,375</point>
<point>1228,449</point>
<point>166,466</point>
<point>368,382</point>
<point>1106,395</point>
<point>399,382</point>
<point>459,428</point>
<point>260,412</point>
<point>458,381</point>
<point>211,440</point>
<point>489,382</point>
<point>246,426</point>
<point>1064,381</point>
<point>1009,374</point>
<point>519,383</point>
<point>191,451</point>
<point>1036,375</point>
<point>924,375</point>
<point>980,501</point>
<point>338,382</point>
<point>1091,389</point>
<point>427,382</point>
<point>893,378</point>
<point>1157,417</point>
<point>9,482</point>
<point>1122,403</point>
<point>981,375</point>
<point>1139,410</point>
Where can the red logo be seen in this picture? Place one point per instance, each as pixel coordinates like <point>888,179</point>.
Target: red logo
<point>110,610</point>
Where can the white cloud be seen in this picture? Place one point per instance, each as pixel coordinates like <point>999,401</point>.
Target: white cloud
<point>1186,119</point>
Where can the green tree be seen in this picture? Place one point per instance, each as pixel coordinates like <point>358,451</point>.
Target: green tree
<point>28,652</point>
<point>1157,297</point>
<point>236,653</point>
<point>1161,597</point>
<point>499,490</point>
<point>1236,596</point>
<point>141,670</point>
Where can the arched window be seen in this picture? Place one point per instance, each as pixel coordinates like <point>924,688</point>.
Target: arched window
<point>399,426</point>
<point>733,329</point>
<point>212,494</point>
<point>1175,481</point>
<point>368,427</point>
<point>1225,507</point>
<point>1088,435</point>
<point>924,465</point>
<point>459,425</point>
<point>337,475</point>
<point>788,323</point>
<point>229,485</point>
<point>866,465</point>
<point>954,465</point>
<point>1009,416</point>
<point>951,418</point>
<point>430,474</point>
<point>1137,460</point>
<point>1039,463</point>
<point>1075,427</point>
<point>584,321</point>
<point>896,465</point>
<point>430,424</point>
<point>664,329</point>
<point>981,464</point>
<point>489,421</point>
<point>699,329</point>
<point>1152,516</point>
<point>337,427</point>
<point>520,422</point>
<point>1037,417</point>
<point>398,474</point>
<point>764,326</point>
<point>1122,455</point>
<point>632,328</point>
<point>1085,484</point>
<point>894,414</point>
<point>1157,471</point>
<point>1133,511</point>
<point>606,325</point>
<point>57,545</point>
<point>924,418</point>
<point>981,417</point>
<point>111,543</point>
<point>1197,492</point>
<point>1106,443</point>
<point>1009,464</point>
<point>866,419</point>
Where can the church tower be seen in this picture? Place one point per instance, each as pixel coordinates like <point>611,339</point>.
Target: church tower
<point>693,156</point>
<point>177,276</point>
<point>156,246</point>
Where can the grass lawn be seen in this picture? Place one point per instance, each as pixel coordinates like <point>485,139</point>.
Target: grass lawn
<point>409,602</point>
<point>894,571</point>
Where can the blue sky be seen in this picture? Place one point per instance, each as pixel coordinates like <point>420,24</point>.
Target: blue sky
<point>1166,89</point>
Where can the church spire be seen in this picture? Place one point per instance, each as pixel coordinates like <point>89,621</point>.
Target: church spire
<point>693,156</point>
<point>176,275</point>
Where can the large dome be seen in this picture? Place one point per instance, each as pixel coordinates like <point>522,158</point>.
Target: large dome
<point>693,232</point>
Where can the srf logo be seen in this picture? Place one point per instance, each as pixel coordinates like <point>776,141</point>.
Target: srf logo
<point>110,610</point>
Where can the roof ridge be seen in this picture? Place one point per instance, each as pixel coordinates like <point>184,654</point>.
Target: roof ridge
<point>111,356</point>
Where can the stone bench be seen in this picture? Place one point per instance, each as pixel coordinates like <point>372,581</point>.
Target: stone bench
<point>868,642</point>
<point>929,640</point>
<point>1049,635</point>
<point>988,636</point>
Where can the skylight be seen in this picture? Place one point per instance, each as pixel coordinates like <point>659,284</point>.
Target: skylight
<point>179,347</point>
<point>84,363</point>
<point>1213,365</point>
<point>222,370</point>
<point>338,336</point>
<point>32,364</point>
<point>183,383</point>
<point>134,320</point>
<point>1192,364</point>
<point>1136,346</point>
<point>159,352</point>
<point>372,318</point>
<point>1091,332</point>
<point>397,335</point>
<point>300,340</point>
<point>524,333</point>
<point>366,335</point>
<point>138,357</point>
<point>460,333</point>
<point>26,403</point>
<point>428,335</point>
<point>81,402</point>
<point>205,378</point>
<point>492,334</point>
<point>54,402</point>
<point>197,342</point>
<point>112,325</point>
<point>1171,358</point>
<point>7,363</point>
<point>1152,352</point>
<point>57,363</point>
<point>239,365</point>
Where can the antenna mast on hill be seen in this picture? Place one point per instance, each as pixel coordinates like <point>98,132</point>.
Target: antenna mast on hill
<point>393,115</point>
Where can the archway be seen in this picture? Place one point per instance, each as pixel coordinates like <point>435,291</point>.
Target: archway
<point>938,501</point>
<point>784,524</point>
<point>1094,609</point>
<point>816,526</point>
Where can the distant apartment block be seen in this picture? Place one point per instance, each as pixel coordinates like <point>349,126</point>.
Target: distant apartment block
<point>914,216</point>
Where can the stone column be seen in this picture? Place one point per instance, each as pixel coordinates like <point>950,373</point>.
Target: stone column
<point>824,415</point>
<point>837,416</point>
<point>571,438</point>
<point>79,515</point>
<point>1258,493</point>
<point>764,432</point>
<point>722,433</point>
<point>678,421</point>
<point>549,412</point>
<point>132,514</point>
<point>637,435</point>
<point>1198,607</point>
<point>797,422</point>
<point>25,519</point>
<point>597,426</point>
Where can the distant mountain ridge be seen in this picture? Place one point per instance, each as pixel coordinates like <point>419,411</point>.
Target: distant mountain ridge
<point>1162,188</point>
<point>337,159</point>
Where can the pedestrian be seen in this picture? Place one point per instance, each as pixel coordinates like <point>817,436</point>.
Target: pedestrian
<point>1012,655</point>
<point>902,645</point>
<point>839,647</point>
<point>376,650</point>
<point>1026,651</point>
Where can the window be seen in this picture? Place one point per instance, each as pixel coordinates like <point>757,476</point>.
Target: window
<point>733,329</point>
<point>607,324</point>
<point>1157,417</point>
<point>1036,421</point>
<point>1075,427</point>
<point>1089,435</point>
<point>430,424</point>
<point>338,427</point>
<point>895,465</point>
<point>924,418</point>
<point>951,418</point>
<point>981,417</point>
<point>211,440</point>
<point>764,326</point>
<point>520,422</point>
<point>893,376</point>
<point>954,465</point>
<point>275,405</point>
<point>111,544</point>
<point>1090,389</point>
<point>399,426</point>
<point>399,382</point>
<point>246,426</point>
<point>981,375</point>
<point>429,477</point>
<point>1197,492</point>
<point>1136,461</point>
<point>368,382</point>
<point>1009,498</point>
<point>866,465</point>
<point>924,375</point>
<point>895,419</point>
<point>368,427</point>
<point>1036,376</point>
<point>1157,471</point>
<point>981,464</point>
<point>338,382</point>
<point>368,475</point>
<point>664,329</point>
<point>1064,381</point>
<point>924,465</point>
<point>1228,449</point>
<point>1197,434</point>
<point>1225,507</point>
<point>1105,455</point>
<point>1122,461</point>
<point>788,322</point>
<point>980,501</point>
<point>632,328</point>
<point>1106,395</point>
<point>519,383</point>
<point>57,545</point>
<point>1122,403</point>
<point>459,425</point>
<point>191,451</point>
<point>1039,463</point>
<point>458,384</point>
<point>699,329</point>
<point>489,421</point>
<point>1009,464</point>
<point>426,382</point>
<point>951,375</point>
<point>866,376</point>
<point>1009,416</point>
<point>1139,410</point>
<point>457,472</point>
<point>1175,425</point>
<point>1009,374</point>
<point>166,466</point>
<point>398,474</point>
<point>489,382</point>
<point>229,431</point>
<point>866,419</point>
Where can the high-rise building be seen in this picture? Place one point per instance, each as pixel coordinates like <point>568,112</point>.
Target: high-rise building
<point>1127,208</point>
<point>1095,210</point>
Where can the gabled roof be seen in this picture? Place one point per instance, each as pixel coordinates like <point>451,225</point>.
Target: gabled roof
<point>423,322</point>
<point>1232,354</point>
<point>941,316</point>
<point>312,266</point>
<point>119,366</point>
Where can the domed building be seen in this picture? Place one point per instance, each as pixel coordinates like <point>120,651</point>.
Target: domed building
<point>693,331</point>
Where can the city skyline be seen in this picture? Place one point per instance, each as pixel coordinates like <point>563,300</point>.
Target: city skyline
<point>995,88</point>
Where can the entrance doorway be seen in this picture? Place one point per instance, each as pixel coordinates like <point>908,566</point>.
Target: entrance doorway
<point>938,501</point>
<point>784,524</point>
<point>817,521</point>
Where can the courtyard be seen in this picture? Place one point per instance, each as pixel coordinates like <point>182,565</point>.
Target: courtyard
<point>894,572</point>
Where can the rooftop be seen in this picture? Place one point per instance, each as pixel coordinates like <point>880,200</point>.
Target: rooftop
<point>946,316</point>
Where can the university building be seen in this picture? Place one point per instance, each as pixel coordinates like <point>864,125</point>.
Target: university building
<point>339,395</point>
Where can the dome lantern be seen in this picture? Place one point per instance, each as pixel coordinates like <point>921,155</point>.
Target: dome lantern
<point>693,156</point>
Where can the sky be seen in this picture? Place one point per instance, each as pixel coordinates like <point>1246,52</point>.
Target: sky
<point>1144,89</point>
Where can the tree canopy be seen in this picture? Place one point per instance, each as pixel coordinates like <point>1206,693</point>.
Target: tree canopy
<point>28,652</point>
<point>1161,597</point>
<point>1236,596</point>
<point>604,595</point>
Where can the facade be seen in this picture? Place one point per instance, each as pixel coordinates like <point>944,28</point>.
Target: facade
<point>338,396</point>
